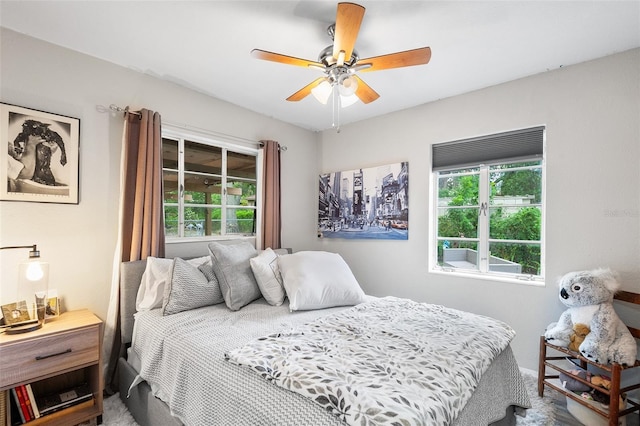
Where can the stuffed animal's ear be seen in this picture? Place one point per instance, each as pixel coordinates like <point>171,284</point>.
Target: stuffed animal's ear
<point>609,278</point>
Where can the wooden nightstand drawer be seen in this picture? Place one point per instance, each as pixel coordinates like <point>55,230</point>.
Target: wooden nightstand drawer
<point>33,359</point>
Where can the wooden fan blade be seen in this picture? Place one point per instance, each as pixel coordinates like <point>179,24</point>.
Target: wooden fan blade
<point>306,90</point>
<point>284,59</point>
<point>348,20</point>
<point>365,92</point>
<point>407,58</point>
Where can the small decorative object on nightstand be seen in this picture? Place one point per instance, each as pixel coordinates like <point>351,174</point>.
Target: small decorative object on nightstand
<point>62,360</point>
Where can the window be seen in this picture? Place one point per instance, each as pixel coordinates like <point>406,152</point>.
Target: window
<point>489,205</point>
<point>209,186</point>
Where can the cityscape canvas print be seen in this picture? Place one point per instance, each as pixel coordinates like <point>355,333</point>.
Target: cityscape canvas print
<point>41,160</point>
<point>370,203</point>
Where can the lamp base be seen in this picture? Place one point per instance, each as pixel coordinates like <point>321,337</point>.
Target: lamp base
<point>23,328</point>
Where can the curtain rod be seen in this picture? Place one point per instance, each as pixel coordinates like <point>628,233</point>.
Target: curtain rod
<point>125,110</point>
<point>282,148</point>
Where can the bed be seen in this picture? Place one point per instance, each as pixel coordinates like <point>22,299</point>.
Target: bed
<point>208,365</point>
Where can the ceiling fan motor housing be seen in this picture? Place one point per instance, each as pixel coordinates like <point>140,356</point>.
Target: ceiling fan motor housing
<point>326,57</point>
<point>336,74</point>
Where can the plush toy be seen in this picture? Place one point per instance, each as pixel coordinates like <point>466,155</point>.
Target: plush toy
<point>570,383</point>
<point>601,381</point>
<point>604,399</point>
<point>588,295</point>
<point>580,331</point>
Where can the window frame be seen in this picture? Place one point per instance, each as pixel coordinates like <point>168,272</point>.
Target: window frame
<point>483,238</point>
<point>225,144</point>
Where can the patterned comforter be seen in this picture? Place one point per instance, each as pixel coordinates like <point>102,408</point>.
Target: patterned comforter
<point>388,362</point>
<point>182,358</point>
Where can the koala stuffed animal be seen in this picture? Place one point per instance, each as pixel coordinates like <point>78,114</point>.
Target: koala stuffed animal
<point>588,296</point>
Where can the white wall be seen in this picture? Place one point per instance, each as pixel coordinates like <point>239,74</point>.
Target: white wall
<point>79,240</point>
<point>592,113</point>
<point>593,202</point>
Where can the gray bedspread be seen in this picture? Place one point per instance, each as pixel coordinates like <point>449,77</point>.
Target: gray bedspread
<point>182,359</point>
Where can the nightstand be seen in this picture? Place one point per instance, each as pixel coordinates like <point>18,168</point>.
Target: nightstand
<point>64,353</point>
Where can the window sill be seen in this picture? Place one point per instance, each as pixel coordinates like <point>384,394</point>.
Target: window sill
<point>536,281</point>
<point>176,240</point>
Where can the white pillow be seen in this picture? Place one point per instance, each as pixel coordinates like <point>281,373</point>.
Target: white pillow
<point>265,269</point>
<point>156,274</point>
<point>317,280</point>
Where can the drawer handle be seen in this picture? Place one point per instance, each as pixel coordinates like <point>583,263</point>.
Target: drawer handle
<point>41,357</point>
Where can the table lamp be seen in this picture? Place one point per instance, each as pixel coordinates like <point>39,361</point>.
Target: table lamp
<point>28,312</point>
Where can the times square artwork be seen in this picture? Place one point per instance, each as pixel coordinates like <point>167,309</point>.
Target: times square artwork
<point>369,203</point>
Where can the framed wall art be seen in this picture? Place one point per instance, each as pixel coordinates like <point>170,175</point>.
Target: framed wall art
<point>371,203</point>
<point>41,162</point>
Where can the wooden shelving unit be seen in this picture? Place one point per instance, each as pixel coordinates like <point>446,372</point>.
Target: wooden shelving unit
<point>550,366</point>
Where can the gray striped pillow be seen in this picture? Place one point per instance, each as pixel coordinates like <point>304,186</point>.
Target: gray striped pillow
<point>190,287</point>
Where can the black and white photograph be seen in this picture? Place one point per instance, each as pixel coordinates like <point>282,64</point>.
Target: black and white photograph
<point>41,156</point>
<point>369,203</point>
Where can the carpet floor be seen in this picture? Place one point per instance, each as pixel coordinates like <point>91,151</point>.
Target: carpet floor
<point>115,413</point>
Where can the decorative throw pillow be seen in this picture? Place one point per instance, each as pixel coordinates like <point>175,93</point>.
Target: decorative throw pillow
<point>156,275</point>
<point>233,271</point>
<point>267,273</point>
<point>207,271</point>
<point>189,288</point>
<point>317,280</point>
<point>154,278</point>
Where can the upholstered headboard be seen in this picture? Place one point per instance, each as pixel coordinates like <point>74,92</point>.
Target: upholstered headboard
<point>130,277</point>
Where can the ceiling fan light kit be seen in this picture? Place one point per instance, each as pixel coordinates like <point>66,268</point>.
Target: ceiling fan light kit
<point>348,85</point>
<point>322,92</point>
<point>346,101</point>
<point>340,62</point>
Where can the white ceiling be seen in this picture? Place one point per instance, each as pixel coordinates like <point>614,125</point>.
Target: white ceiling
<point>205,45</point>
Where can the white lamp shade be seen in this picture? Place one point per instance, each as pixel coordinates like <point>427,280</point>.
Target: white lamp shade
<point>348,86</point>
<point>322,92</point>
<point>346,101</point>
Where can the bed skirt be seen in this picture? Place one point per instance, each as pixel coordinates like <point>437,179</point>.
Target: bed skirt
<point>148,410</point>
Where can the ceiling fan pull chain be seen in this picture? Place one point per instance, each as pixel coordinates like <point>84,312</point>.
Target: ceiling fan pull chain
<point>335,106</point>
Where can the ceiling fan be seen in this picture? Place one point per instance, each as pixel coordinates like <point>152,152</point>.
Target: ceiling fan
<point>340,61</point>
